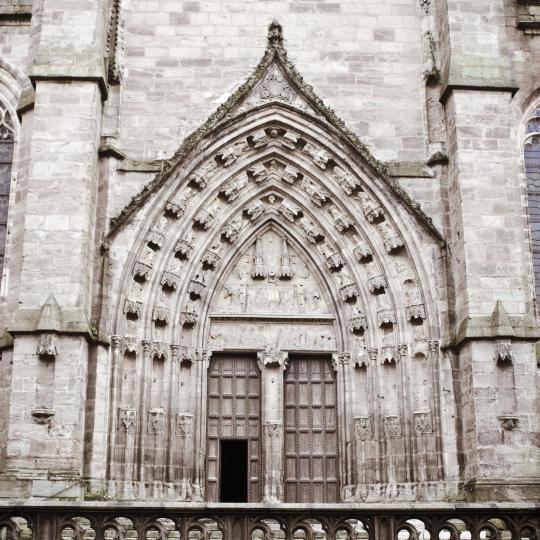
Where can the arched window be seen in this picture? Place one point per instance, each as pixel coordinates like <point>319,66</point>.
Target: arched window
<point>7,139</point>
<point>531,154</point>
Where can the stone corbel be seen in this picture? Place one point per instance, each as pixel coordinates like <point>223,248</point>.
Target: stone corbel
<point>272,358</point>
<point>508,422</point>
<point>503,353</point>
<point>46,349</point>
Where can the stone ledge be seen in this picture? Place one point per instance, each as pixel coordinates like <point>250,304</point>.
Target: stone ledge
<point>64,68</point>
<point>477,86</point>
<point>409,169</point>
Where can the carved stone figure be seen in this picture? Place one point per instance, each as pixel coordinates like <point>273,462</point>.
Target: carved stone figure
<point>205,216</point>
<point>289,210</point>
<point>258,172</point>
<point>204,174</point>
<point>232,189</point>
<point>341,219</point>
<point>258,269</point>
<point>254,210</point>
<point>313,232</point>
<point>347,181</point>
<point>317,194</point>
<point>372,210</point>
<point>232,229</point>
<point>232,152</point>
<point>184,247</point>
<point>319,156</point>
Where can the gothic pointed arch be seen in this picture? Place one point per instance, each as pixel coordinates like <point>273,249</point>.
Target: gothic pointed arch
<point>273,227</point>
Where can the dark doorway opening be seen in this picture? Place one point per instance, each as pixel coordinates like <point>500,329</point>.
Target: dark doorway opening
<point>234,471</point>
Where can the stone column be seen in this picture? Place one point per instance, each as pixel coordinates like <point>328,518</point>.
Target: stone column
<point>342,367</point>
<point>202,363</point>
<point>272,363</point>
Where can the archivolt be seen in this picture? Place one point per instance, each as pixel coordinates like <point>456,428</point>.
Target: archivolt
<point>215,203</point>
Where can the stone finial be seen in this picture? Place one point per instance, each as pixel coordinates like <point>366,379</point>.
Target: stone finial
<point>275,35</point>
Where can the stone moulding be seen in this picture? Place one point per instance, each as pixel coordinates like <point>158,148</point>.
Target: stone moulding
<point>275,54</point>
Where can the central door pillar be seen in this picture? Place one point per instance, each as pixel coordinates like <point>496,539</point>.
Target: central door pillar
<point>272,363</point>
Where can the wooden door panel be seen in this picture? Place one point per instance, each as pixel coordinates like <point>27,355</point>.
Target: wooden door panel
<point>310,431</point>
<point>234,389</point>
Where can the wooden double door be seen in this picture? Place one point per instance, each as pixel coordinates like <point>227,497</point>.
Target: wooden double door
<point>235,470</point>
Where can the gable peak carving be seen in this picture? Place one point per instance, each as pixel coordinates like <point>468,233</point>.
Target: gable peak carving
<point>275,81</point>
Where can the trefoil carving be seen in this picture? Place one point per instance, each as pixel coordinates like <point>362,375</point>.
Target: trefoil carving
<point>275,87</point>
<point>363,252</point>
<point>212,256</point>
<point>290,139</point>
<point>372,210</point>
<point>160,351</point>
<point>170,280</point>
<point>258,172</point>
<point>333,259</point>
<point>357,320</point>
<point>377,284</point>
<point>232,189</point>
<point>203,175</point>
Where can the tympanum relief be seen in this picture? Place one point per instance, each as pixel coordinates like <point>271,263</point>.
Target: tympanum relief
<point>276,292</point>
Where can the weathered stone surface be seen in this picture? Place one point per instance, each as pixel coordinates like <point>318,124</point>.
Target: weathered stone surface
<point>349,291</point>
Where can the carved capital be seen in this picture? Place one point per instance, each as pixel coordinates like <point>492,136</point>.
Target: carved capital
<point>433,346</point>
<point>340,360</point>
<point>272,358</point>
<point>392,427</point>
<point>117,342</point>
<point>184,425</point>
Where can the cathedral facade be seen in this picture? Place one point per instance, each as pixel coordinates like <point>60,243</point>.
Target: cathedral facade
<point>269,269</point>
